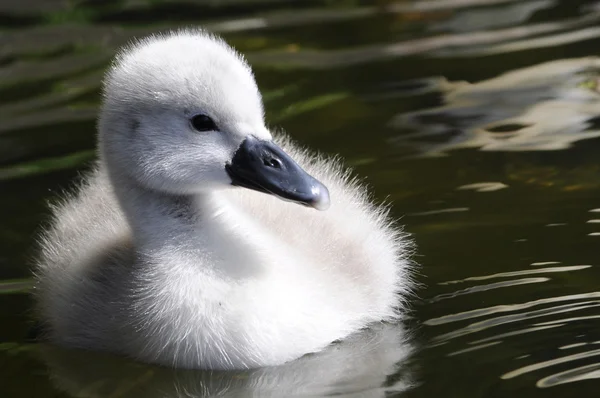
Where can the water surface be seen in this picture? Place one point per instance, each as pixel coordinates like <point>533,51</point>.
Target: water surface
<point>477,119</point>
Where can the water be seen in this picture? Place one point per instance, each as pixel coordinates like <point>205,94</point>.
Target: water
<point>496,175</point>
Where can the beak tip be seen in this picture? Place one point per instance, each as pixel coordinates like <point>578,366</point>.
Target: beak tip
<point>321,199</point>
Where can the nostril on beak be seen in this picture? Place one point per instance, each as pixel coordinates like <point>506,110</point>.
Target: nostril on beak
<point>272,162</point>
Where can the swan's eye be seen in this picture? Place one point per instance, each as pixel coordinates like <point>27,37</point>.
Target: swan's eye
<point>203,123</point>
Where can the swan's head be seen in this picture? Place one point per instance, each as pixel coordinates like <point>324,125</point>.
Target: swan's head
<point>182,114</point>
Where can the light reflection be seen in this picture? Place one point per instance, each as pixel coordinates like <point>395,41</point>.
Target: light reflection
<point>491,286</point>
<point>515,333</point>
<point>574,319</point>
<point>544,107</point>
<point>440,211</point>
<point>545,364</point>
<point>502,320</point>
<point>586,372</point>
<point>305,17</point>
<point>574,345</point>
<point>441,45</point>
<point>510,308</point>
<point>557,39</point>
<point>518,273</point>
<point>520,313</point>
<point>493,17</point>
<point>479,347</point>
<point>483,187</point>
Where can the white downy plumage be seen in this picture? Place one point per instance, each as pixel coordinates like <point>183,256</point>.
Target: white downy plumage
<point>158,257</point>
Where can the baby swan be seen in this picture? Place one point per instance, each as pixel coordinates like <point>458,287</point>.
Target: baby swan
<point>172,252</point>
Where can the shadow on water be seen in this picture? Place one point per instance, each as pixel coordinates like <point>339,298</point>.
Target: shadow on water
<point>478,119</point>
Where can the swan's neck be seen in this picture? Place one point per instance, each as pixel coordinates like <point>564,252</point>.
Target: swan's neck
<point>201,229</point>
<point>158,219</point>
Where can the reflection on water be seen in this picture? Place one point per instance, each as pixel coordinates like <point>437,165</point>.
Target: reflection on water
<point>568,358</point>
<point>362,364</point>
<point>477,119</point>
<point>570,376</point>
<point>545,107</point>
<point>519,273</point>
<point>512,13</point>
<point>484,186</point>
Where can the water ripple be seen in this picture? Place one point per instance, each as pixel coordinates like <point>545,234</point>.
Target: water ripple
<point>440,211</point>
<point>502,320</point>
<point>518,273</point>
<point>515,333</point>
<point>510,308</point>
<point>479,347</point>
<point>566,320</point>
<point>536,264</point>
<point>491,286</point>
<point>569,376</point>
<point>574,345</point>
<point>546,364</point>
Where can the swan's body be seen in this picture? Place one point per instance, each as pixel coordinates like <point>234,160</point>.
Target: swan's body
<point>157,257</point>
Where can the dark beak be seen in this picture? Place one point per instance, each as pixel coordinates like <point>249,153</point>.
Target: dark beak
<point>265,167</point>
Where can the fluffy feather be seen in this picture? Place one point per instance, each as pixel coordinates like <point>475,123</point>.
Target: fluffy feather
<point>154,257</point>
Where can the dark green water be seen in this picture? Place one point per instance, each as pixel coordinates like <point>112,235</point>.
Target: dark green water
<point>416,97</point>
